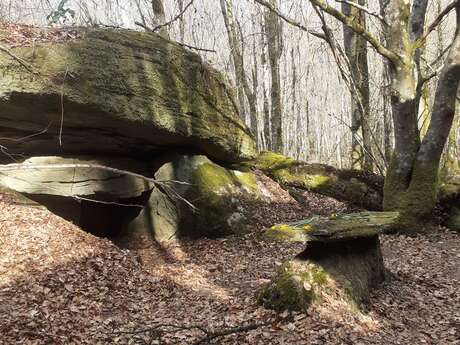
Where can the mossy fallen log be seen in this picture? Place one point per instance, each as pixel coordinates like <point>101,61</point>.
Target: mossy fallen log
<point>356,187</point>
<point>342,260</point>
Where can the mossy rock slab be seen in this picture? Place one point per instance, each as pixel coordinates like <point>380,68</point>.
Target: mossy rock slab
<point>346,269</point>
<point>204,201</point>
<point>118,92</point>
<point>334,228</point>
<point>354,186</point>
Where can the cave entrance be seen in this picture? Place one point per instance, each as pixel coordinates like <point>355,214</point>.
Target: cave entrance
<point>104,219</point>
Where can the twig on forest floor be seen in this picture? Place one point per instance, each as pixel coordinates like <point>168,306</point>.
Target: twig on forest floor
<point>156,333</point>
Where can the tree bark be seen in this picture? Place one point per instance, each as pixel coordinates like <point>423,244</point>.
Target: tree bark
<point>417,200</point>
<point>266,107</point>
<point>159,17</point>
<point>404,103</point>
<point>236,49</point>
<point>181,21</point>
<point>356,52</point>
<point>274,42</point>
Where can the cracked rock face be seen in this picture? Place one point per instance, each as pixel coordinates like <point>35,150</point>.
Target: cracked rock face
<point>118,93</point>
<point>55,176</point>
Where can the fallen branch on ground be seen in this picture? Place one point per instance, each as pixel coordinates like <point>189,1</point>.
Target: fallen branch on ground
<point>157,332</point>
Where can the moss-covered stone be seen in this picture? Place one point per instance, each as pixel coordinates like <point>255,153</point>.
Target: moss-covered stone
<point>296,287</point>
<point>334,228</point>
<point>357,187</point>
<point>202,199</point>
<point>124,93</point>
<point>342,265</point>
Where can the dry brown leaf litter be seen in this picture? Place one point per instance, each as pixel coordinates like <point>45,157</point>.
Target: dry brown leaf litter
<point>19,35</point>
<point>60,285</point>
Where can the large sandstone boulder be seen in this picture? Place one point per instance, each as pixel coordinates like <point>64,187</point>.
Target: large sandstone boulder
<point>203,199</point>
<point>117,93</point>
<point>342,261</point>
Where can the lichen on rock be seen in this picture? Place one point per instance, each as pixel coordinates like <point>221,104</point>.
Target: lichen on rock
<point>296,287</point>
<point>201,198</point>
<point>131,93</point>
<point>334,228</point>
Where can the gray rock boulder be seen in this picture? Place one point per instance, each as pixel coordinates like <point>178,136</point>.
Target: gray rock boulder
<point>206,200</point>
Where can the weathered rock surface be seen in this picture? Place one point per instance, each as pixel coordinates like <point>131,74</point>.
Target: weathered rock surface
<point>77,176</point>
<point>357,187</point>
<point>79,189</point>
<point>339,261</point>
<point>117,93</point>
<point>206,201</point>
<point>334,228</point>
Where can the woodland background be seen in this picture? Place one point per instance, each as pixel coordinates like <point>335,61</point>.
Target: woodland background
<point>311,99</point>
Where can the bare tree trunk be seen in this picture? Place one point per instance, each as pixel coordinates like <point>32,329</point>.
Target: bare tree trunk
<point>404,103</point>
<point>356,52</point>
<point>274,42</point>
<point>182,21</point>
<point>253,108</point>
<point>236,49</point>
<point>418,197</point>
<point>266,107</point>
<point>387,117</point>
<point>159,17</point>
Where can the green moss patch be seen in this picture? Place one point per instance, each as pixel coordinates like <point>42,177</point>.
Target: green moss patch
<point>296,287</point>
<point>357,187</point>
<point>334,228</point>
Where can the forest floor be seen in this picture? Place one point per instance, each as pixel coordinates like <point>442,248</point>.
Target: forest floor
<point>61,285</point>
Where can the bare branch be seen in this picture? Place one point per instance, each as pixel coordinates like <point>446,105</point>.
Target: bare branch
<point>156,332</point>
<point>165,184</point>
<point>178,16</point>
<point>437,21</point>
<point>290,20</point>
<point>22,62</point>
<point>364,9</point>
<point>359,29</point>
<point>145,27</point>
